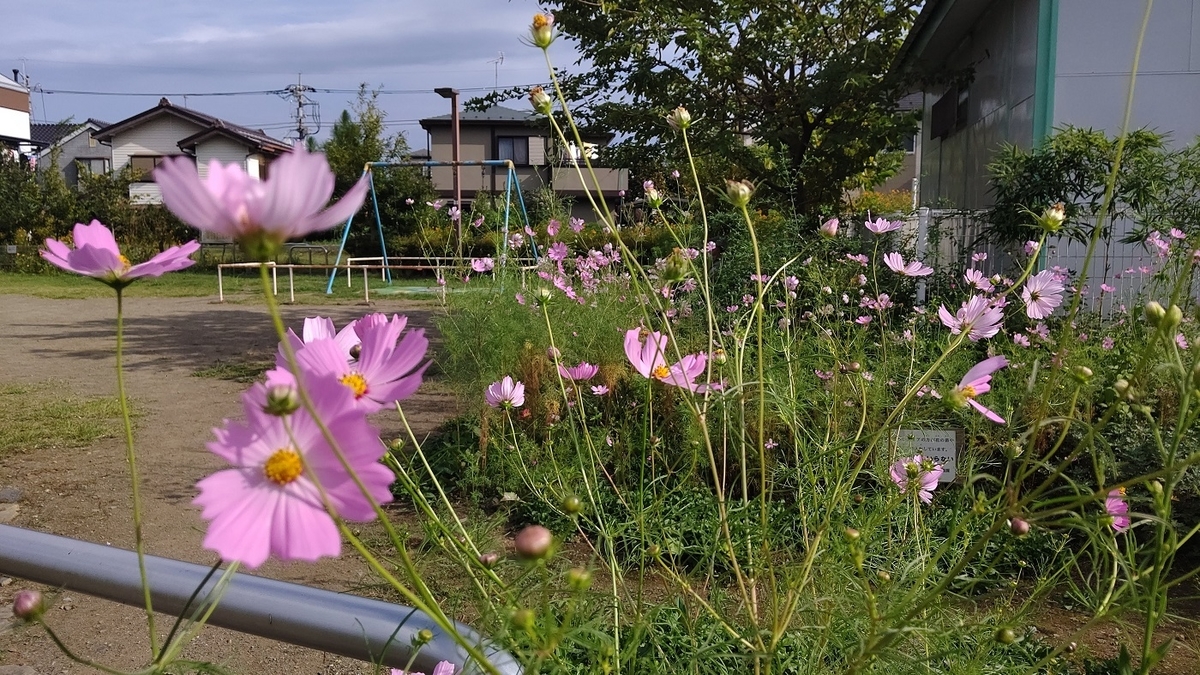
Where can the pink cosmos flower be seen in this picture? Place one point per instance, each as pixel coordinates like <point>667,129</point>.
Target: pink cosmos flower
<point>599,390</point>
<point>558,251</point>
<point>1118,508</point>
<point>918,470</point>
<point>1105,288</point>
<point>977,317</point>
<point>386,371</point>
<point>829,228</point>
<point>863,320</point>
<point>478,222</point>
<point>1108,343</point>
<point>576,225</point>
<point>647,357</point>
<point>97,255</point>
<point>442,668</point>
<point>552,227</point>
<point>229,203</point>
<point>1042,293</point>
<point>883,225</point>
<point>505,394</point>
<point>858,258</point>
<point>268,503</point>
<point>977,382</point>
<point>895,263</point>
<point>1177,233</point>
<point>979,257</point>
<point>482,265</point>
<point>321,328</point>
<point>583,371</point>
<point>1020,339</point>
<point>977,279</point>
<point>1032,247</point>
<point>455,214</point>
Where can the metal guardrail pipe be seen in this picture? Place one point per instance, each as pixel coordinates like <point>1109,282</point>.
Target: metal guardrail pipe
<point>348,625</point>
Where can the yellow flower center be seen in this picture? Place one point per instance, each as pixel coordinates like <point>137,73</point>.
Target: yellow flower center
<point>283,467</point>
<point>661,372</point>
<point>969,391</point>
<point>125,264</point>
<point>357,384</point>
<point>1121,490</point>
<point>540,21</point>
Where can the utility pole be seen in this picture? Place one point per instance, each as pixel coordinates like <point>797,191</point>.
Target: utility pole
<point>306,107</point>
<point>498,61</point>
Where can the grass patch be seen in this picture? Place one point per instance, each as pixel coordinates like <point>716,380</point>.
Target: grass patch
<point>34,417</point>
<point>234,371</point>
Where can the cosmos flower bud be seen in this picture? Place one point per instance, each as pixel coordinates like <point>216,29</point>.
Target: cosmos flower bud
<point>573,505</point>
<point>28,605</point>
<point>1155,313</point>
<point>579,579</point>
<point>1125,390</point>
<point>282,400</point>
<point>852,534</point>
<point>489,560</point>
<point>540,100</point>
<point>534,542</point>
<point>522,619</point>
<point>1082,373</point>
<point>884,576</point>
<point>1006,636</point>
<point>543,294</point>
<point>1019,526</point>
<point>542,30</point>
<point>654,550</point>
<point>676,268</point>
<point>356,351</point>
<point>423,637</point>
<point>1173,318</point>
<point>739,192</point>
<point>653,197</point>
<point>828,229</point>
<point>1052,218</point>
<point>719,356</point>
<point>679,118</point>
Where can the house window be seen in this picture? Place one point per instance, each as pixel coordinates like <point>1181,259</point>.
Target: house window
<point>145,165</point>
<point>97,165</point>
<point>909,144</point>
<point>515,148</point>
<point>950,112</point>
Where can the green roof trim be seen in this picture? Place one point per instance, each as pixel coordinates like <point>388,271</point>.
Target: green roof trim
<point>1047,52</point>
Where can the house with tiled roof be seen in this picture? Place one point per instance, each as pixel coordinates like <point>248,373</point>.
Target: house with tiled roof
<point>71,148</point>
<point>499,133</point>
<point>144,140</point>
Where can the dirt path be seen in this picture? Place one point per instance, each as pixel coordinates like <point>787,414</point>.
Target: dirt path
<point>85,493</point>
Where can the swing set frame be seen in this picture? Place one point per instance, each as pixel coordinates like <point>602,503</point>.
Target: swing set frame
<point>512,184</point>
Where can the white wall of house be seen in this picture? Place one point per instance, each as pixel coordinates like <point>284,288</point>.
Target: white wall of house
<point>14,123</point>
<point>158,136</point>
<point>224,150</point>
<point>145,193</point>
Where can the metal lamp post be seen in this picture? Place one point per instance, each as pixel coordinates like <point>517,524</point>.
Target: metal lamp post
<point>452,94</point>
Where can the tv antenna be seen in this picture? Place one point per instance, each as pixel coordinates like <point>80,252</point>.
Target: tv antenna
<point>497,63</point>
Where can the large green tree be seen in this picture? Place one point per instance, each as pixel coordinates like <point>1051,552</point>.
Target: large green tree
<point>359,136</point>
<point>796,95</point>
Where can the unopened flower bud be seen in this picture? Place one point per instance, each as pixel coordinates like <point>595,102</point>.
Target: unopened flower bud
<point>852,534</point>
<point>1124,390</point>
<point>423,637</point>
<point>679,118</point>
<point>676,268</point>
<point>1173,318</point>
<point>884,575</point>
<point>829,228</point>
<point>534,542</point>
<point>522,619</point>
<point>542,30</point>
<point>489,560</point>
<point>1006,636</point>
<point>1019,526</point>
<point>553,354</point>
<point>540,100</point>
<point>543,294</point>
<point>396,445</point>
<point>573,505</point>
<point>1082,373</point>
<point>1071,647</point>
<point>28,605</point>
<point>1155,313</point>
<point>858,499</point>
<point>653,197</point>
<point>739,192</point>
<point>654,550</point>
<point>356,351</point>
<point>720,357</point>
<point>282,399</point>
<point>1052,218</point>
<point>579,579</point>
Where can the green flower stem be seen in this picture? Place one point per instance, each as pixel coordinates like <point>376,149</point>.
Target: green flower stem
<point>135,481</point>
<point>424,601</point>
<point>88,662</point>
<point>179,619</point>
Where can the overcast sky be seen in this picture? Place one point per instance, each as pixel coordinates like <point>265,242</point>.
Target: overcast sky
<point>197,46</point>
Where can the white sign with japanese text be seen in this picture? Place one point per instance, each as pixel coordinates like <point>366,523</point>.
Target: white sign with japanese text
<point>937,445</point>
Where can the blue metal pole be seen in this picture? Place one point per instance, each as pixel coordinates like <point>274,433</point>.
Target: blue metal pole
<point>345,235</point>
<point>379,227</point>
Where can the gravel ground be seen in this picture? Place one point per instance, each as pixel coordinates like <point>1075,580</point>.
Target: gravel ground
<point>84,493</point>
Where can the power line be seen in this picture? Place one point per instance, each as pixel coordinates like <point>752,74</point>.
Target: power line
<point>259,92</point>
